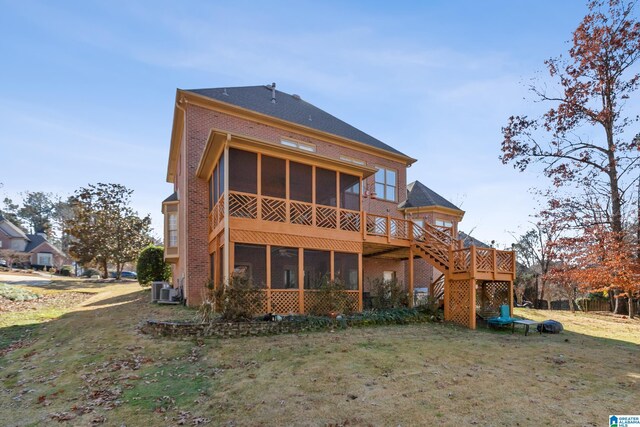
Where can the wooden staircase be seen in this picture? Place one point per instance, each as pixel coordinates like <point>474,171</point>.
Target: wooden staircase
<point>433,245</point>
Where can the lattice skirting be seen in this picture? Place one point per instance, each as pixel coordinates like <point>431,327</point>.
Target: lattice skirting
<point>288,302</point>
<point>459,302</point>
<point>321,303</point>
<point>490,296</point>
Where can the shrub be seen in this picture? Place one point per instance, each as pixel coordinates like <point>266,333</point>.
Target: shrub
<point>16,293</point>
<point>330,298</point>
<point>90,272</point>
<point>151,266</point>
<point>388,294</point>
<point>238,300</point>
<point>66,270</point>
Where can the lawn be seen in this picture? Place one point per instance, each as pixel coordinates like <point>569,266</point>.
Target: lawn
<point>91,365</point>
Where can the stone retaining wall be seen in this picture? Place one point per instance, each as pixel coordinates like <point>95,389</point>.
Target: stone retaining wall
<point>227,330</point>
<point>246,329</point>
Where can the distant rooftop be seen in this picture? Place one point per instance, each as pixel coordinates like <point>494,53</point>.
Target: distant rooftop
<point>291,108</point>
<point>419,195</point>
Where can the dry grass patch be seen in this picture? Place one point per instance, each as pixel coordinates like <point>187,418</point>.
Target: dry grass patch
<point>92,366</point>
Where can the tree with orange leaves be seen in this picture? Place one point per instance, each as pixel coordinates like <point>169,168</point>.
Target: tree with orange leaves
<point>585,138</point>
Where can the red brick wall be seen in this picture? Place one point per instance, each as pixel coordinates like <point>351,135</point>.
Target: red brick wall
<point>193,261</point>
<point>373,268</point>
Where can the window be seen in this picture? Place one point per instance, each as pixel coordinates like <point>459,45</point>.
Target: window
<point>45,259</point>
<point>317,268</point>
<point>284,268</point>
<point>300,182</point>
<point>243,171</point>
<point>250,261</point>
<point>388,276</point>
<point>173,230</point>
<point>352,160</point>
<point>346,269</point>
<point>325,187</point>
<point>441,223</point>
<point>274,177</point>
<point>304,146</point>
<point>349,192</point>
<point>386,184</point>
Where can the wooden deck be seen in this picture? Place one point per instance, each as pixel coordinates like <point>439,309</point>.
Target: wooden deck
<point>299,224</point>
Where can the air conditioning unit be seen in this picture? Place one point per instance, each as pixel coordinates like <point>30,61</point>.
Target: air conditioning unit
<point>155,290</point>
<point>168,295</point>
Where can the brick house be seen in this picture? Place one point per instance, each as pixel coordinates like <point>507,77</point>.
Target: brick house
<point>37,251</point>
<point>268,185</point>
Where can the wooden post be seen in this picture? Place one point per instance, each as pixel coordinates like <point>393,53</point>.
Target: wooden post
<point>363,224</point>
<point>268,278</point>
<point>388,228</point>
<point>313,195</point>
<point>495,263</point>
<point>338,213</point>
<point>225,255</point>
<point>411,296</point>
<point>472,258</point>
<point>301,280</point>
<point>360,282</point>
<point>447,313</point>
<point>472,303</point>
<point>511,298</point>
<point>332,264</point>
<point>259,188</point>
<point>287,193</point>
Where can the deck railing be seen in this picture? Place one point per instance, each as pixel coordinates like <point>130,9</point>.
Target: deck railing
<point>437,242</point>
<point>274,209</point>
<point>483,260</point>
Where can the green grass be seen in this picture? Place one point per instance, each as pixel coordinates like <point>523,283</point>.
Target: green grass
<point>418,374</point>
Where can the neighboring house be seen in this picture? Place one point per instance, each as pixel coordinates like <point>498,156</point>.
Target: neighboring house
<point>38,251</point>
<point>267,185</point>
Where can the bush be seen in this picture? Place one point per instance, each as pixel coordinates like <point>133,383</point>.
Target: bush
<point>239,300</point>
<point>388,294</point>
<point>330,298</point>
<point>151,266</point>
<point>16,293</point>
<point>66,270</point>
<point>90,272</point>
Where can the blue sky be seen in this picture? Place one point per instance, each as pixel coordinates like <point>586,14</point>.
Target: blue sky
<point>87,88</point>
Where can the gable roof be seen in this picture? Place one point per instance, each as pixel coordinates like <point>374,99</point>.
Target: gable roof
<point>172,198</point>
<point>36,240</point>
<point>292,109</point>
<point>419,195</point>
<point>11,229</point>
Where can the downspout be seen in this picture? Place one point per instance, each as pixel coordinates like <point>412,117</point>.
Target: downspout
<point>225,268</point>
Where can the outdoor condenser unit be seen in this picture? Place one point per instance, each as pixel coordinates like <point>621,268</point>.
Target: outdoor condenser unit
<point>155,290</point>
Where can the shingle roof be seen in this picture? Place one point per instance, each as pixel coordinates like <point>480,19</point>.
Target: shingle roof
<point>11,229</point>
<point>419,195</point>
<point>292,109</point>
<point>468,240</point>
<point>172,198</point>
<point>35,240</point>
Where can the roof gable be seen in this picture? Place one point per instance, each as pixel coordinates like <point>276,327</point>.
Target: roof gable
<point>11,229</point>
<point>292,109</point>
<point>37,240</point>
<point>419,195</point>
